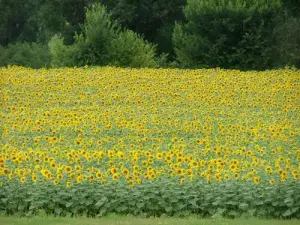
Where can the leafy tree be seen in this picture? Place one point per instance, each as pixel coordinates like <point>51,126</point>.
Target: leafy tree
<point>39,20</point>
<point>102,43</point>
<point>13,17</point>
<point>287,42</point>
<point>152,19</point>
<point>129,49</point>
<point>231,34</point>
<point>292,6</point>
<point>92,46</point>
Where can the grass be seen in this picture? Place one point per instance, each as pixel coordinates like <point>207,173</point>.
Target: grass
<point>128,220</point>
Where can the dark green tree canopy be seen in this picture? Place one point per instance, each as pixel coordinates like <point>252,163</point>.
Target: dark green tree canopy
<point>245,34</point>
<point>231,34</point>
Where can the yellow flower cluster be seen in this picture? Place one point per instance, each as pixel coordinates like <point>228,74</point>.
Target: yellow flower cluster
<point>101,124</point>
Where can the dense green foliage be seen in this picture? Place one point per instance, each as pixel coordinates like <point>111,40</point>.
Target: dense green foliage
<point>230,34</point>
<point>292,6</point>
<point>287,42</point>
<point>102,43</point>
<point>231,199</point>
<point>25,54</point>
<point>38,20</point>
<point>151,18</point>
<point>129,49</point>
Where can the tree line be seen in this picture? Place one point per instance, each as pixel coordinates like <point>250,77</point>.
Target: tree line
<point>233,34</point>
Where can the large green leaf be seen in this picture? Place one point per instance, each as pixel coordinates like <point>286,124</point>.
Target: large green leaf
<point>243,206</point>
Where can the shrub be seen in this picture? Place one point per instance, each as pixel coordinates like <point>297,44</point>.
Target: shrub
<point>78,54</point>
<point>25,54</point>
<point>91,47</point>
<point>99,30</point>
<point>129,49</point>
<point>102,43</point>
<point>58,51</point>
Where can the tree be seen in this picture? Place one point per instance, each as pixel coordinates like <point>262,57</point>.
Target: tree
<point>102,42</point>
<point>13,16</point>
<point>230,34</point>
<point>152,19</point>
<point>287,42</point>
<point>129,49</point>
<point>292,6</point>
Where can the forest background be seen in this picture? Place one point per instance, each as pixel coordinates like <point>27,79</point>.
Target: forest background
<point>231,34</point>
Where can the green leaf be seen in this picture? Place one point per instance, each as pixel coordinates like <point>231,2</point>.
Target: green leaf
<point>233,213</point>
<point>174,200</point>
<point>275,203</point>
<point>231,203</point>
<point>168,209</point>
<point>181,206</point>
<point>74,210</point>
<point>259,202</point>
<point>216,203</point>
<point>21,207</point>
<point>89,202</point>
<point>101,202</point>
<point>295,209</point>
<point>140,205</point>
<point>288,200</point>
<point>58,210</point>
<point>4,200</point>
<point>121,208</point>
<point>243,206</point>
<point>193,202</point>
<point>69,204</point>
<point>287,213</point>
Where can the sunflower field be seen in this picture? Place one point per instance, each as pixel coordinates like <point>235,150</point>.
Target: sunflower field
<point>92,141</point>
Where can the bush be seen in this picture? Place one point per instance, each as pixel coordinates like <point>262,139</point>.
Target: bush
<point>230,34</point>
<point>59,52</point>
<point>102,43</point>
<point>99,30</point>
<point>129,49</point>
<point>91,47</point>
<point>78,54</point>
<point>25,54</point>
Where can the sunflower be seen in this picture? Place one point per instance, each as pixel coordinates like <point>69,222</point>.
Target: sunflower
<point>179,171</point>
<point>114,170</point>
<point>99,175</point>
<point>159,156</point>
<point>125,171</point>
<point>115,177</point>
<point>34,178</point>
<point>256,180</point>
<point>236,175</point>
<point>120,154</point>
<point>55,182</point>
<point>23,179</point>
<point>272,182</point>
<point>79,179</point>
<point>68,169</point>
<point>68,184</point>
